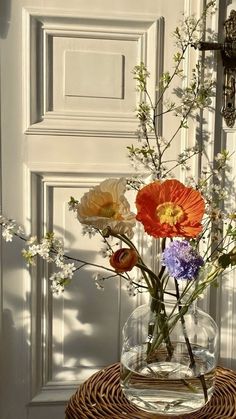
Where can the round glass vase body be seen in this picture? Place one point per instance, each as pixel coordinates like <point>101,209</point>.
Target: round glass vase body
<point>169,358</point>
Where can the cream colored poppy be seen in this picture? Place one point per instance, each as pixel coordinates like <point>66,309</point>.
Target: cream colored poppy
<point>106,206</point>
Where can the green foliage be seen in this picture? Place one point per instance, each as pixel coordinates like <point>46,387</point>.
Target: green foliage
<point>195,95</point>
<point>29,257</point>
<point>72,203</point>
<point>165,79</point>
<point>192,98</point>
<point>231,231</point>
<point>140,75</point>
<point>224,261</point>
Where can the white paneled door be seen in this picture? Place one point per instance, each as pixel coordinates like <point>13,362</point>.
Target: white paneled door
<point>67,114</point>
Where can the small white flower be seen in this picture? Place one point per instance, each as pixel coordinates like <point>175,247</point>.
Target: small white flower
<point>105,252</point>
<point>34,249</point>
<point>32,240</point>
<point>2,219</point>
<point>19,230</point>
<point>88,230</point>
<point>7,234</point>
<point>58,245</point>
<point>99,281</point>
<point>59,261</point>
<point>56,286</point>
<point>99,286</point>
<point>68,270</point>
<point>60,278</point>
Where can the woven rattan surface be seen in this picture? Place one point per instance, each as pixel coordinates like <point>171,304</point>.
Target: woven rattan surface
<point>101,397</point>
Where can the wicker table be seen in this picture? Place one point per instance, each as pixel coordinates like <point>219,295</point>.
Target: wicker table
<point>101,397</point>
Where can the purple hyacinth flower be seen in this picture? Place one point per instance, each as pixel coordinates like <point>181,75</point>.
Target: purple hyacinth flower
<point>182,260</point>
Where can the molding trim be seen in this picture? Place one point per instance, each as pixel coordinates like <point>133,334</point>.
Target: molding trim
<point>41,27</point>
<point>46,313</point>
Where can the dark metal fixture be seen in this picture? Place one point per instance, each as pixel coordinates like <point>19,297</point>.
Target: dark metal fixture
<point>228,53</point>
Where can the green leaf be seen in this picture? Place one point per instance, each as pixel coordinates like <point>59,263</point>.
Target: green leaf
<point>224,261</point>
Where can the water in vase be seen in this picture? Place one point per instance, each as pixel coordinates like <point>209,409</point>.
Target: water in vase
<point>168,387</point>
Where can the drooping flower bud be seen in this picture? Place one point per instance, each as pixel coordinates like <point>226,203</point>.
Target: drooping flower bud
<point>123,260</point>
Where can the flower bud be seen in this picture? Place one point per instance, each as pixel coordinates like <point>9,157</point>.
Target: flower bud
<point>123,260</point>
<point>106,232</point>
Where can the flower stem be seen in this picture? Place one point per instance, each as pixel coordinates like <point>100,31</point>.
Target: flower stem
<point>192,360</point>
<point>191,356</point>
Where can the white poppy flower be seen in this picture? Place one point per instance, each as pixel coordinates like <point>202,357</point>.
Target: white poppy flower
<point>106,206</point>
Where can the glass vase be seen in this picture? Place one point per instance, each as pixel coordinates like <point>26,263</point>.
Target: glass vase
<point>169,357</point>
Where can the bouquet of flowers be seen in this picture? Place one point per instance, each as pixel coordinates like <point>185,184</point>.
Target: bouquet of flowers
<point>191,231</point>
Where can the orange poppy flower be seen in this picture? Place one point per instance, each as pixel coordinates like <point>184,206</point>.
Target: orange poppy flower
<point>170,209</point>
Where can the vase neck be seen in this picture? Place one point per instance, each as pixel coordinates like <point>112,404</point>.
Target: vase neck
<point>170,304</point>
